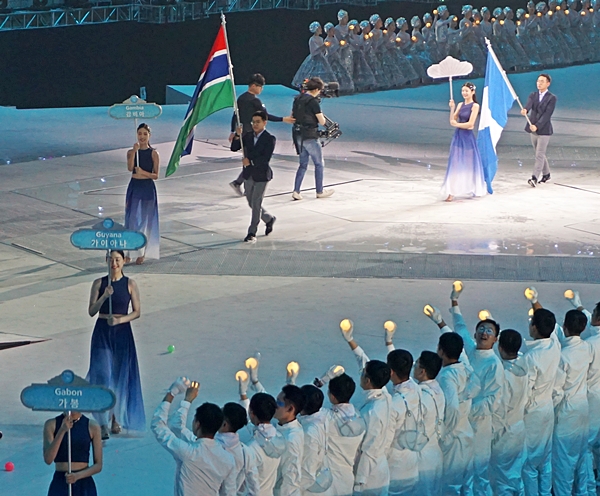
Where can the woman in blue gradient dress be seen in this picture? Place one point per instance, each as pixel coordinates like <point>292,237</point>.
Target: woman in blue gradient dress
<point>464,176</point>
<point>113,357</point>
<point>141,203</point>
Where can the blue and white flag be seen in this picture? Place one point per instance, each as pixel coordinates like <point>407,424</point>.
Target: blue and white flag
<point>498,98</point>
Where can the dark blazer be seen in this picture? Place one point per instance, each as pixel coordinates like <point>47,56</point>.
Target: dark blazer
<point>541,112</point>
<point>259,155</point>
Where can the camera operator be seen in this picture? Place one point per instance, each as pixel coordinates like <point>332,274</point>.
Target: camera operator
<point>307,112</point>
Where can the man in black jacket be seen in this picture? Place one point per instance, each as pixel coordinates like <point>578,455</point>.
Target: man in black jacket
<point>258,146</point>
<point>541,105</point>
<point>248,103</point>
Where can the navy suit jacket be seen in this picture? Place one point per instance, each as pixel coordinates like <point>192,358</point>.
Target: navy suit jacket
<point>541,112</point>
<point>259,155</point>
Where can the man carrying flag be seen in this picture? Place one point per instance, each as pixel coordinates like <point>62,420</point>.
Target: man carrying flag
<point>498,98</point>
<point>215,91</point>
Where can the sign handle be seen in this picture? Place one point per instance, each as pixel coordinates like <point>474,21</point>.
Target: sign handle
<point>451,95</point>
<point>109,284</point>
<point>69,455</point>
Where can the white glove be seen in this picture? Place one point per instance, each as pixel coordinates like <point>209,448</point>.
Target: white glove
<point>433,313</point>
<point>243,380</point>
<point>347,326</point>
<point>457,288</point>
<point>180,386</point>
<point>333,372</point>
<point>252,365</point>
<point>292,372</point>
<point>573,297</point>
<point>390,329</point>
<point>531,294</point>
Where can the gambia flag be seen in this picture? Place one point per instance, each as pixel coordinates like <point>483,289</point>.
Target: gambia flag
<point>213,92</point>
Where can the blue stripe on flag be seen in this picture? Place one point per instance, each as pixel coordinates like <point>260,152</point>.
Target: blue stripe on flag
<point>217,68</point>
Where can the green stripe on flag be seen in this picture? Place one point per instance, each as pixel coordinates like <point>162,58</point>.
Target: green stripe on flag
<point>210,100</point>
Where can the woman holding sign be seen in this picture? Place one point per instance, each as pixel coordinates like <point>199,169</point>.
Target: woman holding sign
<point>141,203</point>
<point>113,358</point>
<point>85,432</point>
<point>464,176</point>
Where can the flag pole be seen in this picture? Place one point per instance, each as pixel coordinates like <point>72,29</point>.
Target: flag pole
<point>503,72</point>
<point>235,105</point>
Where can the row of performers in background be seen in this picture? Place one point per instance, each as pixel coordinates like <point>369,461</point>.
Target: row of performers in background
<point>380,54</point>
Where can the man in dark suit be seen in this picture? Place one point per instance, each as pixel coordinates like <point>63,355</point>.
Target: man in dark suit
<point>248,103</point>
<point>258,146</point>
<point>540,106</point>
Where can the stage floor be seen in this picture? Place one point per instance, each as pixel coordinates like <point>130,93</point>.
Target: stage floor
<point>381,247</point>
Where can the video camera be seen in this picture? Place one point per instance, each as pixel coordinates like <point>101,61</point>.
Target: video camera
<point>330,90</point>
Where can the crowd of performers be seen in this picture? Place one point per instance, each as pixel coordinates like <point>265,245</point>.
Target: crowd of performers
<point>485,414</point>
<point>381,54</point>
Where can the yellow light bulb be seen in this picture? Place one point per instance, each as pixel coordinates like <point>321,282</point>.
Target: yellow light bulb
<point>457,285</point>
<point>527,15</point>
<point>413,39</point>
<point>428,310</point>
<point>477,22</point>
<point>558,7</point>
<point>583,12</point>
<point>366,36</point>
<point>435,11</point>
<point>455,18</point>
<point>529,293</point>
<point>339,370</point>
<point>501,22</point>
<point>550,13</point>
<point>342,43</point>
<point>351,26</point>
<point>591,9</point>
<point>530,313</point>
<point>569,294</point>
<point>346,325</point>
<point>370,35</point>
<point>293,368</point>
<point>518,23</point>
<point>327,44</point>
<point>567,11</point>
<point>398,40</point>
<point>428,25</point>
<point>251,363</point>
<point>241,375</point>
<point>390,325</point>
<point>484,314</point>
<point>385,31</point>
<point>539,14</point>
<point>493,19</point>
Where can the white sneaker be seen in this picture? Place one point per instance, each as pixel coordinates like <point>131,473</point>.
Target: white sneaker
<point>326,193</point>
<point>296,196</point>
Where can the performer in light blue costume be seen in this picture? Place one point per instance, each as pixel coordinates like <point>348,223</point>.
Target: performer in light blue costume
<point>333,57</point>
<point>113,357</point>
<point>362,75</point>
<point>464,176</point>
<point>315,64</point>
<point>141,201</point>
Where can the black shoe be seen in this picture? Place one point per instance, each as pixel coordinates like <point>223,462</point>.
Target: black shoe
<point>545,177</point>
<point>532,182</point>
<point>269,228</point>
<point>251,238</point>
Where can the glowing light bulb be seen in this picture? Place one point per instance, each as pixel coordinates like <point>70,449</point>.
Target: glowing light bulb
<point>457,285</point>
<point>390,325</point>
<point>493,19</point>
<point>527,15</point>
<point>428,310</point>
<point>428,25</point>
<point>366,36</point>
<point>539,14</point>
<point>518,23</point>
<point>529,293</point>
<point>558,7</point>
<point>339,370</point>
<point>567,11</point>
<point>251,363</point>
<point>484,314</point>
<point>384,31</point>
<point>455,18</point>
<point>530,313</point>
<point>351,26</point>
<point>477,22</point>
<point>569,294</point>
<point>370,35</point>
<point>327,43</point>
<point>550,13</point>
<point>501,22</point>
<point>591,9</point>
<point>413,39</point>
<point>582,12</point>
<point>346,325</point>
<point>398,40</point>
<point>342,43</point>
<point>435,11</point>
<point>293,368</point>
<point>241,375</point>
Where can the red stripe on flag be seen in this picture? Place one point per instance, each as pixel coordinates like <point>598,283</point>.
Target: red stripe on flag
<point>219,44</point>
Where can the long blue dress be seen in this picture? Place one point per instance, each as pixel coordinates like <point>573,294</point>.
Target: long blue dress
<point>113,361</point>
<point>141,208</point>
<point>464,176</point>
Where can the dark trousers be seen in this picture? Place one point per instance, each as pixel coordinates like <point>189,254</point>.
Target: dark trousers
<point>255,192</point>
<point>240,179</point>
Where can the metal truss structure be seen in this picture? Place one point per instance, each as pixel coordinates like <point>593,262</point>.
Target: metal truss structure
<point>141,11</point>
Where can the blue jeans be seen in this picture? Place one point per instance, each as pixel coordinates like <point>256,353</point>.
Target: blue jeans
<point>310,148</point>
